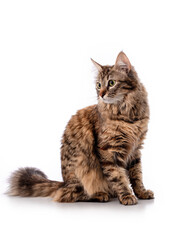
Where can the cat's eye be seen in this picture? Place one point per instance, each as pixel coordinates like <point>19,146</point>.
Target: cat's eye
<point>111,83</point>
<point>98,85</point>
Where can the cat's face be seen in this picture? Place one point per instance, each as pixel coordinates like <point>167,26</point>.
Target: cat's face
<point>114,82</point>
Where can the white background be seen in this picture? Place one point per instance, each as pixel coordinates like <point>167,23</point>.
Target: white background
<point>46,75</point>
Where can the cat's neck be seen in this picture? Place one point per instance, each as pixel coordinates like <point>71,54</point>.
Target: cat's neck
<point>131,108</point>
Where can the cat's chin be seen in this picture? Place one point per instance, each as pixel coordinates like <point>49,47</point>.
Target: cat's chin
<point>110,100</point>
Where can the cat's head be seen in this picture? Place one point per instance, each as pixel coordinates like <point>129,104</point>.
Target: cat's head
<point>114,82</point>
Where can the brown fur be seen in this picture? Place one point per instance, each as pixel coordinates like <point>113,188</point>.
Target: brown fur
<point>100,152</point>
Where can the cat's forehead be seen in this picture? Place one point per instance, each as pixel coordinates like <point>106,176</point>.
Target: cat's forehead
<point>106,71</point>
<point>109,72</point>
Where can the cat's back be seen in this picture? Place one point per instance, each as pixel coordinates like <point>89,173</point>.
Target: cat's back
<point>79,138</point>
<point>81,129</point>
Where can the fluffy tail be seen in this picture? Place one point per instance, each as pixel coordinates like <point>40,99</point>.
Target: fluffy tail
<point>26,182</point>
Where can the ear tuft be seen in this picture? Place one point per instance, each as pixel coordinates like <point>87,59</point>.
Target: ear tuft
<point>122,62</point>
<point>97,65</point>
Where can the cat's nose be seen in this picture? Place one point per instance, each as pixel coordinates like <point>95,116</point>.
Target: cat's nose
<point>102,92</point>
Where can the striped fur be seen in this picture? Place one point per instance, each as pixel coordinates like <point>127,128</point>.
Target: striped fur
<point>100,151</point>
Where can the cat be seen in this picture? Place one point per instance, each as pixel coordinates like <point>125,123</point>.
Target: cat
<point>101,145</point>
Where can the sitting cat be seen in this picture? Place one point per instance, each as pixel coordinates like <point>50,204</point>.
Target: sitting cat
<point>100,152</point>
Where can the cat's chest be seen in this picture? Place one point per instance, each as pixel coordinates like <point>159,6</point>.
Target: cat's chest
<point>120,133</point>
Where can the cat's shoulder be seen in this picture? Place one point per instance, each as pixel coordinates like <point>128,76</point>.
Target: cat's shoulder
<point>85,116</point>
<point>83,123</point>
<point>88,110</point>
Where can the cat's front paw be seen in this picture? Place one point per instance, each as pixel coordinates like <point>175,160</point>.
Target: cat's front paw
<point>146,194</point>
<point>128,200</point>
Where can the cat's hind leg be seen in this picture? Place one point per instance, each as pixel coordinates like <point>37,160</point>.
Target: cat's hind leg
<point>93,181</point>
<point>89,186</point>
<point>75,193</point>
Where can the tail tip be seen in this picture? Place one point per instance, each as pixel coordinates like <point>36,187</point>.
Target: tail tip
<point>22,180</point>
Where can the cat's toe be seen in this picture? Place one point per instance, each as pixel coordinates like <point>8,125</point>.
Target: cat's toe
<point>128,200</point>
<point>147,194</point>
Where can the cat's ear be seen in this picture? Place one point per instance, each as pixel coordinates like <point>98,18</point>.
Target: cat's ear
<point>97,65</point>
<point>122,62</point>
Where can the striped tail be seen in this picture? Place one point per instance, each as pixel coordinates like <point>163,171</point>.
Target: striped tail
<point>31,182</point>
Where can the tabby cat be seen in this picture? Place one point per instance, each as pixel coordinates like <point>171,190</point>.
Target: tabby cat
<point>101,145</point>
